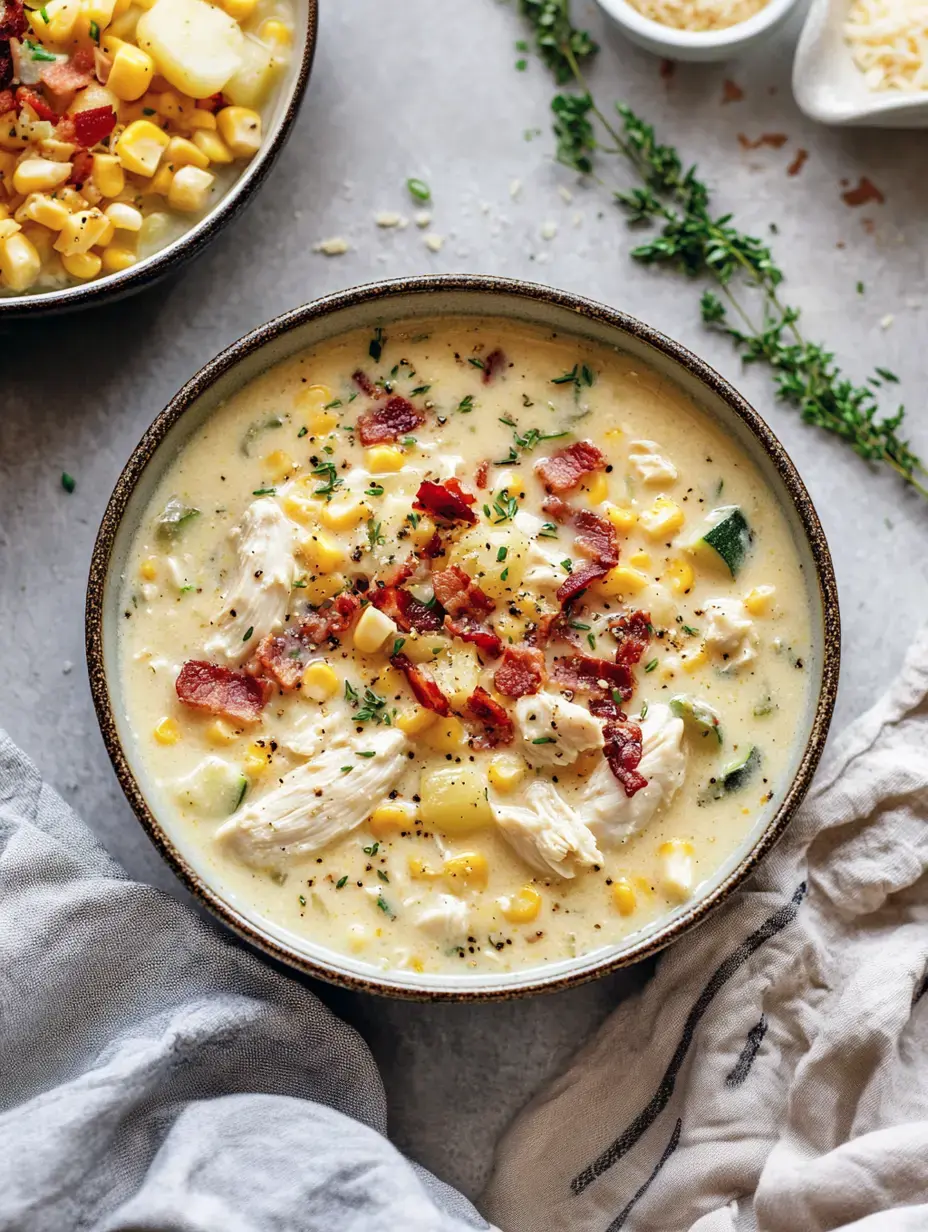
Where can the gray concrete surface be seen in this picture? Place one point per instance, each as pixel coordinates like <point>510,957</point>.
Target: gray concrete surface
<point>426,89</point>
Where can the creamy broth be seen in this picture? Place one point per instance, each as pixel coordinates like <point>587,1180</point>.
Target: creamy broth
<point>354,816</point>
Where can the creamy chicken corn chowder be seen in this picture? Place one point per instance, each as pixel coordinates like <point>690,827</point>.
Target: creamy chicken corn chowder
<point>460,646</point>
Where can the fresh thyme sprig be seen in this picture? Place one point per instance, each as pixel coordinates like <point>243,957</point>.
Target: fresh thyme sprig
<point>692,239</point>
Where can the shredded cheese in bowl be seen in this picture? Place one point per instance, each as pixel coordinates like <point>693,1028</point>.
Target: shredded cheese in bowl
<point>889,40</point>
<point>698,15</point>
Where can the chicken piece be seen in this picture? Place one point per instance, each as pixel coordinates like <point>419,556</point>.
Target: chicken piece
<point>730,633</point>
<point>256,602</point>
<point>445,917</point>
<point>543,570</point>
<point>544,830</point>
<point>318,801</point>
<point>649,462</point>
<point>554,731</point>
<point>611,814</point>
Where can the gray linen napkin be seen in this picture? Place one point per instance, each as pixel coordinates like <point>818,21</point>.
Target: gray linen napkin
<point>154,1076</point>
<point>773,1076</point>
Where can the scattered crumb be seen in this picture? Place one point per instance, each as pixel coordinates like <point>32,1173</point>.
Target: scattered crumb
<point>422,218</point>
<point>868,225</point>
<point>840,244</point>
<point>667,69</point>
<point>485,207</point>
<point>389,218</point>
<point>731,92</point>
<point>775,140</point>
<point>798,162</point>
<point>542,258</point>
<point>333,247</point>
<point>515,188</point>
<point>887,321</point>
<point>67,667</point>
<point>434,242</point>
<point>566,194</point>
<point>576,218</point>
<point>865,192</point>
<point>548,230</point>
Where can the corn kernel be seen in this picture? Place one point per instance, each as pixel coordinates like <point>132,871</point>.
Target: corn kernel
<point>131,72</point>
<point>513,481</point>
<point>416,964</point>
<point>343,513</point>
<point>621,581</point>
<point>319,681</point>
<point>416,720</point>
<point>124,217</point>
<point>166,731</point>
<point>468,871</point>
<point>276,32</point>
<point>523,907</point>
<point>680,575</point>
<point>140,147</point>
<point>318,589</point>
<point>597,488</point>
<point>240,129</point>
<point>445,736</point>
<point>391,819</point>
<point>39,175</point>
<point>278,465</point>
<point>420,534</point>
<point>322,553</point>
<point>219,732</point>
<point>117,259</point>
<point>693,662</point>
<point>106,236</point>
<point>81,232</point>
<point>622,519</point>
<point>184,153</point>
<point>239,10</point>
<point>61,15</point>
<point>372,630</point>
<point>640,560</point>
<point>160,183</point>
<point>506,772</point>
<point>173,106</point>
<point>624,897</point>
<point>256,759</point>
<point>381,459</point>
<point>201,121</point>
<point>8,227</point>
<point>190,188</point>
<point>677,860</point>
<point>313,398</point>
<point>44,210</point>
<point>42,240</point>
<point>358,938</point>
<point>758,600</point>
<point>663,519</point>
<point>149,568</point>
<point>419,870</point>
<point>322,422</point>
<point>614,434</point>
<point>211,145</point>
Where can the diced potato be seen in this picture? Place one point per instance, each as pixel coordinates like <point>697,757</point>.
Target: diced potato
<point>486,553</point>
<point>415,721</point>
<point>425,647</point>
<point>454,799</point>
<point>677,869</point>
<point>190,189</point>
<point>458,673</point>
<point>196,47</point>
<point>251,83</point>
<point>445,735</point>
<point>372,630</point>
<point>20,262</point>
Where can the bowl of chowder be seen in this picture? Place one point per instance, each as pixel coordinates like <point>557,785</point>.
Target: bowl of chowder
<point>460,637</point>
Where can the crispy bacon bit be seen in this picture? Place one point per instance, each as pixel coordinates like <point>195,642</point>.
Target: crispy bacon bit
<point>6,96</point>
<point>332,621</point>
<point>65,130</point>
<point>776,141</point>
<point>492,364</point>
<point>406,610</point>
<point>632,632</point>
<point>446,500</point>
<point>865,192</point>
<point>12,19</point>
<point>798,162</point>
<point>81,167</point>
<point>397,574</point>
<point>282,657</point>
<point>521,672</point>
<point>422,682</point>
<point>596,538</point>
<point>63,79</point>
<point>480,707</point>
<point>731,92</point>
<point>433,549</point>
<point>6,77</point>
<point>218,690</point>
<point>667,69</point>
<point>28,98</point>
<point>365,384</point>
<point>580,579</point>
<point>622,751</point>
<point>459,596</point>
<point>552,627</point>
<point>388,421</point>
<point>586,674</point>
<point>93,125</point>
<point>480,475</point>
<point>556,507</point>
<point>564,469</point>
<point>479,635</point>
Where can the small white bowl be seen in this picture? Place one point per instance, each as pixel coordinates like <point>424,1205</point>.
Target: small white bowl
<point>703,45</point>
<point>829,87</point>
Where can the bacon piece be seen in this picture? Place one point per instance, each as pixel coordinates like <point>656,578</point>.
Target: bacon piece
<point>12,20</point>
<point>521,672</point>
<point>66,131</point>
<point>388,421</point>
<point>406,610</point>
<point>332,621</point>
<point>564,469</point>
<point>28,98</point>
<point>81,168</point>
<point>469,630</point>
<point>632,632</point>
<point>422,682</point>
<point>600,676</point>
<point>596,538</point>
<point>396,575</point>
<point>557,508</point>
<point>492,364</point>
<point>433,549</point>
<point>480,707</point>
<point>622,750</point>
<point>93,125</point>
<point>219,690</point>
<point>446,500</point>
<point>365,384</point>
<point>212,103</point>
<point>551,627</point>
<point>459,596</point>
<point>579,580</point>
<point>282,657</point>
<point>6,96</point>
<point>83,60</point>
<point>480,474</point>
<point>63,79</point>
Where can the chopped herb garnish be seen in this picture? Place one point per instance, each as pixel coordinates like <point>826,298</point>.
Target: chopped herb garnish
<point>591,639</point>
<point>501,553</point>
<point>419,189</point>
<point>578,624</point>
<point>301,899</point>
<point>860,288</point>
<point>548,531</point>
<point>264,492</point>
<point>466,404</point>
<point>351,694</point>
<point>643,713</point>
<point>649,667</point>
<point>398,645</point>
<point>68,482</point>
<point>688,629</point>
<point>342,881</point>
<point>39,53</point>
<point>248,634</point>
<point>578,376</point>
<point>408,441</point>
<point>887,375</point>
<point>374,534</point>
<point>43,13</point>
<point>385,907</point>
<point>618,698</point>
<point>185,590</point>
<point>521,65</point>
<point>521,45</point>
<point>95,32</point>
<point>567,565</point>
<point>366,753</point>
<point>419,390</point>
<point>331,405</point>
<point>383,876</point>
<point>376,345</point>
<point>504,575</point>
<point>300,584</point>
<point>506,507</point>
<point>328,472</point>
<point>372,707</point>
<point>413,519</point>
<point>544,740</point>
<point>372,850</point>
<point>475,362</point>
<point>303,431</point>
<point>347,769</point>
<point>376,489</point>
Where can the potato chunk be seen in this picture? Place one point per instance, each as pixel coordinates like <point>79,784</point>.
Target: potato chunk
<point>195,46</point>
<point>454,799</point>
<point>487,553</point>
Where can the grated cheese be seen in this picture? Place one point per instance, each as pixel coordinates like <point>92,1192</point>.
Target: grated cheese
<point>698,15</point>
<point>889,42</point>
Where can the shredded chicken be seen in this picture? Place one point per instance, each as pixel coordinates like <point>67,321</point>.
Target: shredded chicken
<point>649,462</point>
<point>543,570</point>
<point>256,602</point>
<point>445,917</point>
<point>565,729</point>
<point>317,802</point>
<point>730,633</point>
<point>544,830</point>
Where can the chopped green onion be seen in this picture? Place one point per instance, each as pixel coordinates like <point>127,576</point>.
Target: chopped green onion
<point>419,189</point>
<point>68,482</point>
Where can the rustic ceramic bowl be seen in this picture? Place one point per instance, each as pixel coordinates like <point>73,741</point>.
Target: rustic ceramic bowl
<point>379,304</point>
<point>703,46</point>
<point>278,122</point>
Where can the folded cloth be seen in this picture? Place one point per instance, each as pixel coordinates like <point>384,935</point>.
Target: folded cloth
<point>773,1076</point>
<point>157,1077</point>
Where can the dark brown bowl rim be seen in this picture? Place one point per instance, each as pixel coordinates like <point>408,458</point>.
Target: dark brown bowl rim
<point>190,244</point>
<point>586,309</point>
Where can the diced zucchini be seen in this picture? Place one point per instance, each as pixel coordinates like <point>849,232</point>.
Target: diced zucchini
<point>215,788</point>
<point>697,714</point>
<point>736,774</point>
<point>727,536</point>
<point>173,518</point>
<point>258,429</point>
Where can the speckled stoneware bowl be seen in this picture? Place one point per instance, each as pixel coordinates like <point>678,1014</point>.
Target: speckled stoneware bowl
<point>380,304</point>
<point>279,118</point>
